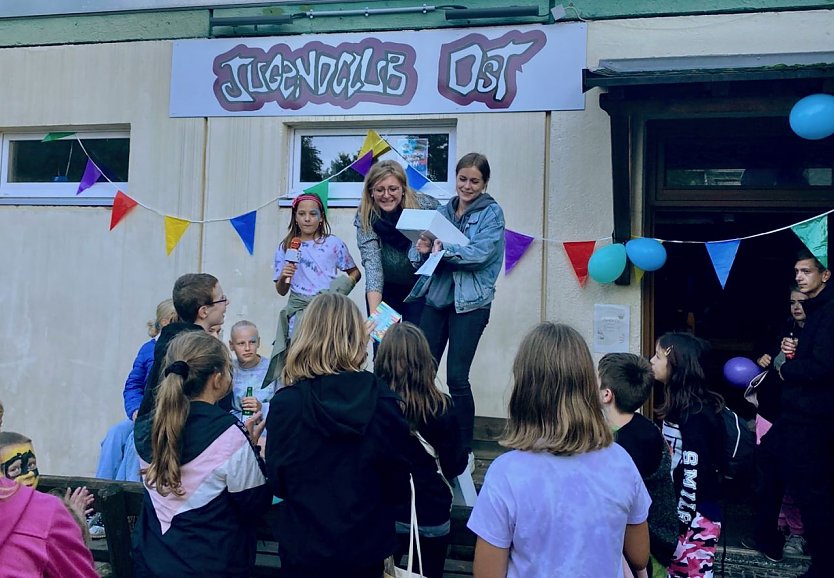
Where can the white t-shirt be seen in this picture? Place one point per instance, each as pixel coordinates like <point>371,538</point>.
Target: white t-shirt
<point>561,516</point>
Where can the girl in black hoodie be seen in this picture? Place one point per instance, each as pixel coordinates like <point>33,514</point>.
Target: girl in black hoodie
<point>335,452</point>
<point>404,362</point>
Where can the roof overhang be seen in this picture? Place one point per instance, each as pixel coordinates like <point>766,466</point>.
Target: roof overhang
<point>709,69</point>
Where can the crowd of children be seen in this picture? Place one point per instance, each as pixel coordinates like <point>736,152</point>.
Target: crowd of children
<point>359,464</point>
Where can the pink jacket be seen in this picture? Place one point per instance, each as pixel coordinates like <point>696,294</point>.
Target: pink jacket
<point>39,537</point>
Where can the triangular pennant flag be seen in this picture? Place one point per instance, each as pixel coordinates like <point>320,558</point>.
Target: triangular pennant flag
<point>374,142</point>
<point>363,164</point>
<point>515,245</point>
<point>174,229</point>
<point>322,191</point>
<point>245,227</point>
<point>416,179</point>
<point>91,175</point>
<point>579,253</point>
<point>122,204</point>
<point>722,254</point>
<point>51,136</point>
<point>638,273</point>
<point>814,234</point>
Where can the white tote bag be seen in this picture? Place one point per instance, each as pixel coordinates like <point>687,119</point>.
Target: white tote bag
<point>391,570</point>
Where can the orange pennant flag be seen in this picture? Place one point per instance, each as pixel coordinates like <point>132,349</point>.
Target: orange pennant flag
<point>174,229</point>
<point>122,204</point>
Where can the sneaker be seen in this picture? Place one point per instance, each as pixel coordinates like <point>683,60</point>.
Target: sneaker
<point>771,553</point>
<point>795,546</point>
<point>95,525</point>
<point>470,464</point>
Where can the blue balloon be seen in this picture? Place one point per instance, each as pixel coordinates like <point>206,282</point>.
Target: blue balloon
<point>738,371</point>
<point>648,254</point>
<point>812,117</point>
<point>608,263</point>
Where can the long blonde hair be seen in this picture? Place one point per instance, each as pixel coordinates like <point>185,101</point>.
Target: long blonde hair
<point>379,171</point>
<point>555,405</point>
<point>404,362</point>
<point>192,358</point>
<point>165,314</point>
<point>330,339</point>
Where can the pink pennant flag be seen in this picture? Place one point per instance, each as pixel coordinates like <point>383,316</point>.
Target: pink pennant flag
<point>515,245</point>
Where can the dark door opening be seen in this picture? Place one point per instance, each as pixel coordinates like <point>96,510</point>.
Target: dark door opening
<point>745,317</point>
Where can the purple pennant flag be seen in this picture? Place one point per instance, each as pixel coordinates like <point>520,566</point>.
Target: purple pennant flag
<point>91,176</point>
<point>363,164</point>
<point>515,245</point>
<point>416,180</point>
<point>245,227</point>
<point>722,254</point>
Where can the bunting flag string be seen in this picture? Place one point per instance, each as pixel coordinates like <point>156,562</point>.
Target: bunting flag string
<point>122,204</point>
<point>813,232</point>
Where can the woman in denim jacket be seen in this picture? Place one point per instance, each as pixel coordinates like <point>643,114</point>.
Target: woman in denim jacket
<point>460,292</point>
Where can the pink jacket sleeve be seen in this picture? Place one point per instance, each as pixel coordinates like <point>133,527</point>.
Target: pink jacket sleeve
<point>67,554</point>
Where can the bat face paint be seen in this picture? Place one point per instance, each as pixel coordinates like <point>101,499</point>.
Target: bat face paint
<point>18,463</point>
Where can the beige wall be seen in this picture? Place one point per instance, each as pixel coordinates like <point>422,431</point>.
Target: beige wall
<point>77,296</point>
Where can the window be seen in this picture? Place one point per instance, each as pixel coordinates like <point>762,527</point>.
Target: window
<point>321,154</point>
<point>739,159</point>
<point>37,172</point>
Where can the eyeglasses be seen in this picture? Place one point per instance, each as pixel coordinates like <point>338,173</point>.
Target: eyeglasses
<point>223,299</point>
<point>392,190</point>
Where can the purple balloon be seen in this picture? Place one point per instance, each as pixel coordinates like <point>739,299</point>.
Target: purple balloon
<point>740,370</point>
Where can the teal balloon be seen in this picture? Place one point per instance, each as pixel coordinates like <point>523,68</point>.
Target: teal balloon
<point>812,117</point>
<point>608,263</point>
<point>648,254</point>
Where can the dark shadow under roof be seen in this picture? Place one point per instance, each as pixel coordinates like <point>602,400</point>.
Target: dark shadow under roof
<point>716,68</point>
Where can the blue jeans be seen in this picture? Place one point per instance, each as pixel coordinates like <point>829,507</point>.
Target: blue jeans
<point>118,459</point>
<point>462,331</point>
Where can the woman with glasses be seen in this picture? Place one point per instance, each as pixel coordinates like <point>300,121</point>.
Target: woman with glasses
<point>389,275</point>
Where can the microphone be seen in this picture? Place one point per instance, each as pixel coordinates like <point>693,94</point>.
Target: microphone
<point>293,254</point>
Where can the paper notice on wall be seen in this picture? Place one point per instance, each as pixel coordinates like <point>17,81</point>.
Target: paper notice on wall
<point>611,328</point>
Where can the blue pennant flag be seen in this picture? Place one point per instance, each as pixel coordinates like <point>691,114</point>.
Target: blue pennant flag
<point>245,227</point>
<point>416,180</point>
<point>722,254</point>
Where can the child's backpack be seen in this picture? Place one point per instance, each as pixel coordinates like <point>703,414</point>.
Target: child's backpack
<point>739,446</point>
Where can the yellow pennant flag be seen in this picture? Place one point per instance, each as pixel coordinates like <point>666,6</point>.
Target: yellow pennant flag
<point>374,142</point>
<point>174,229</point>
<point>638,273</point>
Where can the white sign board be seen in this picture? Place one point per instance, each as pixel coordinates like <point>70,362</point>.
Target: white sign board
<point>526,68</point>
<point>611,328</point>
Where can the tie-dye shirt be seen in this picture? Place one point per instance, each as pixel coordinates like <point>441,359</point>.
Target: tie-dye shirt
<point>319,263</point>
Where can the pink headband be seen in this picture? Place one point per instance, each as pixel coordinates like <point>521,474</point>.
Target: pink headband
<point>307,197</point>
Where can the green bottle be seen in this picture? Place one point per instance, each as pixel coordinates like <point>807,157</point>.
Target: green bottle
<point>248,394</point>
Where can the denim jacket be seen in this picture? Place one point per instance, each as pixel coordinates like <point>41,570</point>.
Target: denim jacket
<point>474,267</point>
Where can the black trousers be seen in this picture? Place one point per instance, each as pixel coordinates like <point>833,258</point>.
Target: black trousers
<point>462,331</point>
<point>432,551</point>
<point>798,453</point>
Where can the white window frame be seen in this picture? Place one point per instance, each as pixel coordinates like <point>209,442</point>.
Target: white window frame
<point>350,194</point>
<point>55,193</point>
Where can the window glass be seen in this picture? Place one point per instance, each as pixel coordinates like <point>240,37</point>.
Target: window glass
<point>743,154</point>
<point>326,155</point>
<point>33,171</point>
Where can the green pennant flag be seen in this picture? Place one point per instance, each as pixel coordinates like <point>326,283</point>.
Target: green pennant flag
<point>322,191</point>
<point>56,136</point>
<point>814,234</point>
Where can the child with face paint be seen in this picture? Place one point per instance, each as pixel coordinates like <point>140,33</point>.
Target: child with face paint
<point>314,268</point>
<point>40,535</point>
